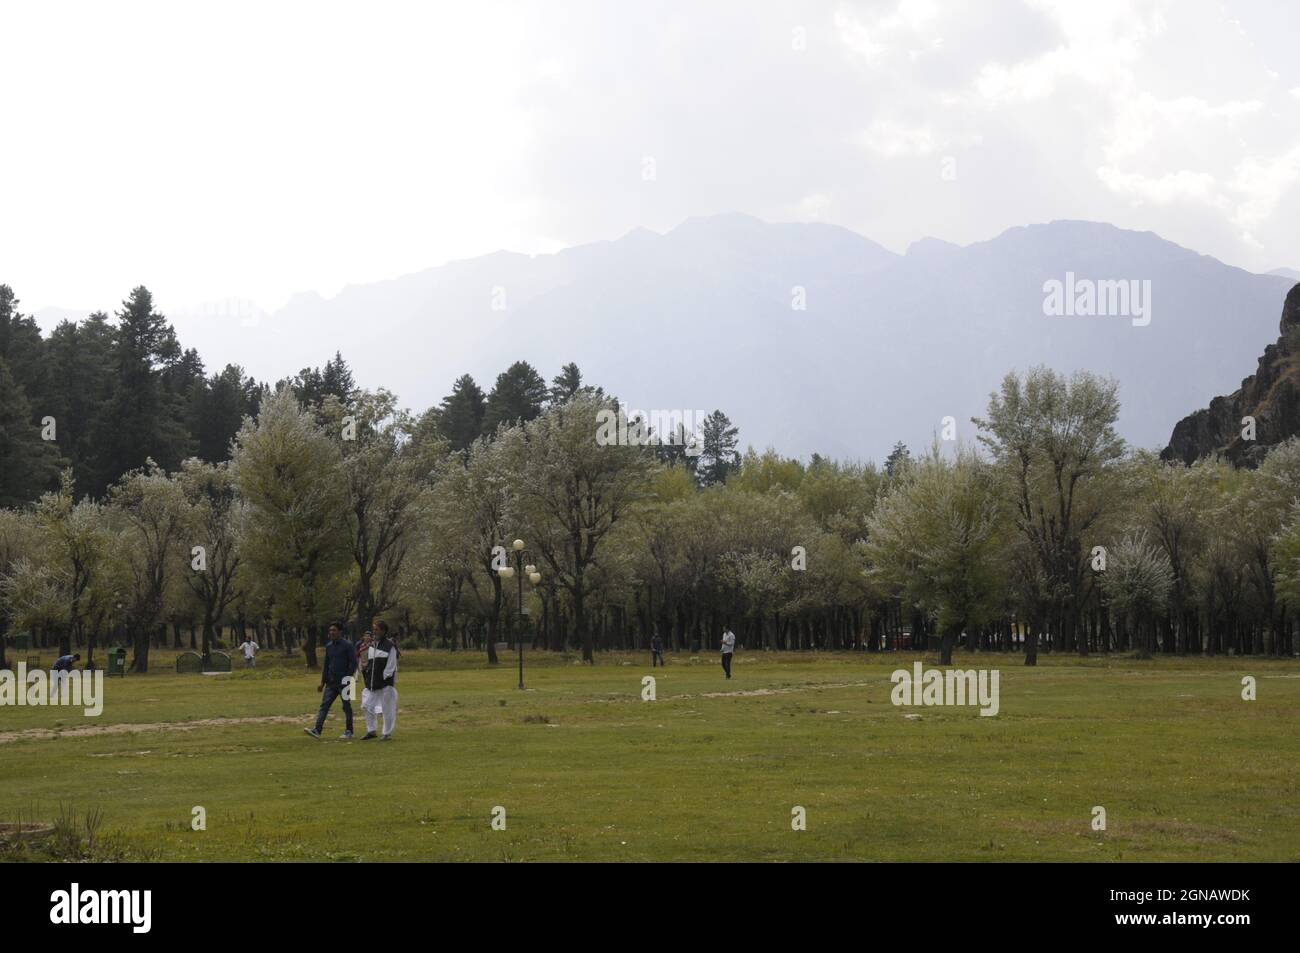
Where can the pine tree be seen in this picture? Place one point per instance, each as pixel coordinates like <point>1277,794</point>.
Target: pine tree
<point>313,384</point>
<point>141,420</point>
<point>29,466</point>
<point>516,398</point>
<point>218,407</point>
<point>22,347</point>
<point>718,455</point>
<point>898,459</point>
<point>79,358</point>
<point>337,381</point>
<point>565,384</point>
<point>460,416</point>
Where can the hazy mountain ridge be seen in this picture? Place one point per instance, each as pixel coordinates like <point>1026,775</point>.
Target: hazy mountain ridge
<point>701,317</point>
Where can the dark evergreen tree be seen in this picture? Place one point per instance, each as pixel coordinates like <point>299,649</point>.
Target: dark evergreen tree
<point>80,362</point>
<point>460,416</point>
<point>23,348</point>
<point>566,383</point>
<point>307,386</point>
<point>142,419</point>
<point>313,384</point>
<point>898,458</point>
<point>680,448</point>
<point>184,373</point>
<point>218,407</point>
<point>517,397</point>
<point>336,380</point>
<point>29,465</point>
<point>718,454</point>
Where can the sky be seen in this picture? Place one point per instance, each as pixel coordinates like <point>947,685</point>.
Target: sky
<point>249,151</point>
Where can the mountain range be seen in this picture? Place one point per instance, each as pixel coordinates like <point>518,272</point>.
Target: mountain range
<point>811,337</point>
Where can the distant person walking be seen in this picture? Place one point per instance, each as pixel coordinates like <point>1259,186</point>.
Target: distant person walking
<point>657,650</point>
<point>381,680</point>
<point>728,649</point>
<point>340,663</point>
<point>249,648</point>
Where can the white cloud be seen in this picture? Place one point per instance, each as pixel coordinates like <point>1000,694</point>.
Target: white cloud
<point>1260,182</point>
<point>1143,120</point>
<point>308,145</point>
<point>854,34</point>
<point>889,138</point>
<point>812,208</point>
<point>1181,186</point>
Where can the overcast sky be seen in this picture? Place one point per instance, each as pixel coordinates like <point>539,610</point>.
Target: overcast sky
<point>258,149</point>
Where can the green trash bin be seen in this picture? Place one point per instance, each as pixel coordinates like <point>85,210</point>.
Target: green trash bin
<point>116,661</point>
<point>23,641</point>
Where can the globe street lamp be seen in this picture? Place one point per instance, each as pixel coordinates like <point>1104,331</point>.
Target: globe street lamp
<point>534,577</point>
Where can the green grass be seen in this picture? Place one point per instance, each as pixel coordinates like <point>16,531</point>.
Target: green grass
<point>587,771</point>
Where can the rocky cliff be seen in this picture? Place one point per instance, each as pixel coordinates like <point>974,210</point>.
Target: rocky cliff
<point>1271,396</point>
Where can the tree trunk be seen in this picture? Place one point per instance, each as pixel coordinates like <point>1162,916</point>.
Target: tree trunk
<point>207,637</point>
<point>140,643</point>
<point>309,648</point>
<point>584,630</point>
<point>946,643</point>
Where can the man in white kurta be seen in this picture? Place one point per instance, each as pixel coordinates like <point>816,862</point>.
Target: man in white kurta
<point>381,685</point>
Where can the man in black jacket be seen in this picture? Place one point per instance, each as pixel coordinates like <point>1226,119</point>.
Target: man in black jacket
<point>340,665</point>
<point>381,680</point>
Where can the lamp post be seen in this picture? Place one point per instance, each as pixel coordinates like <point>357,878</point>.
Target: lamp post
<point>534,577</point>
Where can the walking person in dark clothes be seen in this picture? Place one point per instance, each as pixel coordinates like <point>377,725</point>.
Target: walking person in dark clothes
<point>340,663</point>
<point>381,680</point>
<point>657,650</point>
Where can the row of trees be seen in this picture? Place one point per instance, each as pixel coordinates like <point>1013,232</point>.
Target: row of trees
<point>104,395</point>
<point>336,503</point>
<point>1062,531</point>
<point>353,509</point>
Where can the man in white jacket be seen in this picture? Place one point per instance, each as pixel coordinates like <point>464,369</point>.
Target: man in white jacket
<point>381,681</point>
<point>728,648</point>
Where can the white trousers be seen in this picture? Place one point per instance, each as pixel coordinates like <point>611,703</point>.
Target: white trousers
<point>380,702</point>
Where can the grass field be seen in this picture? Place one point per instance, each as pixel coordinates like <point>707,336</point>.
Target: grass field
<point>586,770</point>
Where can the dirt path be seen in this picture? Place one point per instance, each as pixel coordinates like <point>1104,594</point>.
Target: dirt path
<point>811,686</point>
<point>127,728</point>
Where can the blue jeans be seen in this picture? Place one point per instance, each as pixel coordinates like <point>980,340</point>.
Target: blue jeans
<point>726,663</point>
<point>328,694</point>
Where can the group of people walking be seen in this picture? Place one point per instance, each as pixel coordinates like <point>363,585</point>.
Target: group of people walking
<point>728,650</point>
<point>375,657</point>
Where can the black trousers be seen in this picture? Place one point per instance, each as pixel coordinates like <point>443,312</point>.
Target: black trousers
<point>657,658</point>
<point>726,663</point>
